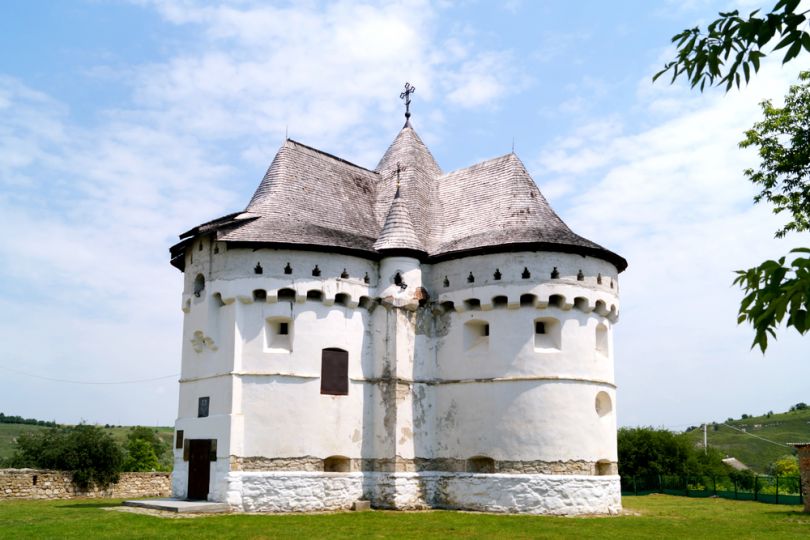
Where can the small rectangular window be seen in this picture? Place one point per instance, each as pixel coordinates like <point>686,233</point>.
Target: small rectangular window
<point>486,330</point>
<point>202,407</point>
<point>334,372</point>
<point>283,329</point>
<point>539,327</point>
<point>178,443</point>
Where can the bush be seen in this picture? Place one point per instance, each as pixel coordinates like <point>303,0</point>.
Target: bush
<point>649,452</point>
<point>140,456</point>
<point>88,452</point>
<point>158,457</point>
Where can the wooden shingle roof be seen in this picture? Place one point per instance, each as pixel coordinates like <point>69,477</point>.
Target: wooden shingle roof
<point>313,200</point>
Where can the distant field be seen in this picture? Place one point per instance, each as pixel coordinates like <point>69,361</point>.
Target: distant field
<point>652,516</point>
<point>758,454</point>
<point>9,432</point>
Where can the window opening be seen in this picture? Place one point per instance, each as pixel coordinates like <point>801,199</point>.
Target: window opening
<point>497,275</point>
<point>527,300</point>
<point>539,327</point>
<point>547,335</point>
<point>288,269</point>
<point>202,407</point>
<point>334,372</point>
<point>526,274</point>
<point>258,268</point>
<point>199,285</point>
<point>316,272</point>
<point>283,329</point>
<point>286,295</point>
<point>481,465</point>
<point>314,295</point>
<point>336,464</point>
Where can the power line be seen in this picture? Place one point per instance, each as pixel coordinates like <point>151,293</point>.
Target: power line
<point>53,379</point>
<point>757,436</point>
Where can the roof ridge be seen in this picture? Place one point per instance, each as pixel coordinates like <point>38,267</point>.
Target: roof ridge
<point>509,155</point>
<point>328,155</point>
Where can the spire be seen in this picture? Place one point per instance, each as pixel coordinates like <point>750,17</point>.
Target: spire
<point>398,232</point>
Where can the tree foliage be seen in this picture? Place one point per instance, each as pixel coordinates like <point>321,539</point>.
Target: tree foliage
<point>91,454</point>
<point>732,44</point>
<point>646,451</point>
<point>144,450</point>
<point>785,466</point>
<point>781,140</point>
<point>140,456</point>
<point>774,291</point>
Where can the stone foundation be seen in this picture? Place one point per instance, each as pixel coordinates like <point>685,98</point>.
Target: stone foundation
<point>313,464</point>
<point>507,493</point>
<point>44,484</point>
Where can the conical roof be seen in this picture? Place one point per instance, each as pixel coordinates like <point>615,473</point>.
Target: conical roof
<point>313,200</point>
<point>398,233</point>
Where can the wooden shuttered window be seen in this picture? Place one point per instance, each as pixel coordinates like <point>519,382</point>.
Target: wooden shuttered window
<point>334,372</point>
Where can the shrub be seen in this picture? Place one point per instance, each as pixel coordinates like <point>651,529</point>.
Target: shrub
<point>88,452</point>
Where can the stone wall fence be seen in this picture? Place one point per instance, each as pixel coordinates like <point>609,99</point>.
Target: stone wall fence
<point>45,484</point>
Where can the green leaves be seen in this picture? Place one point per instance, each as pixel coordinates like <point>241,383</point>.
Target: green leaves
<point>775,291</point>
<point>782,140</point>
<point>703,58</point>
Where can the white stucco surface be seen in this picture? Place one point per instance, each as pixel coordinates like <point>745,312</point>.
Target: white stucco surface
<point>426,381</point>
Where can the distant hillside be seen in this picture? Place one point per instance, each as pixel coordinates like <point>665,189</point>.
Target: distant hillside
<point>786,427</point>
<point>9,432</point>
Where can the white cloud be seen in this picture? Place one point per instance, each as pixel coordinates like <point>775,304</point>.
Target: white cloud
<point>87,292</point>
<point>667,192</point>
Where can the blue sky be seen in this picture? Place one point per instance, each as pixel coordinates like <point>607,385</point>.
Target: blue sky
<point>123,124</point>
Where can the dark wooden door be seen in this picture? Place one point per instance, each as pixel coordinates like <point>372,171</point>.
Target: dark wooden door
<point>199,468</point>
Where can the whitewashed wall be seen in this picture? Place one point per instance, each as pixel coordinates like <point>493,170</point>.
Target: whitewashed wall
<point>508,397</point>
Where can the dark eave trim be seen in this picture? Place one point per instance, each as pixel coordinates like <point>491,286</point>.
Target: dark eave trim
<point>178,251</point>
<point>599,253</point>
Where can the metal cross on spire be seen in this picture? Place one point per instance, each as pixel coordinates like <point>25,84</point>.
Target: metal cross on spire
<point>406,95</point>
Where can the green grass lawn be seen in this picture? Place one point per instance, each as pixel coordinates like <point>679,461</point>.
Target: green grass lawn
<point>653,516</point>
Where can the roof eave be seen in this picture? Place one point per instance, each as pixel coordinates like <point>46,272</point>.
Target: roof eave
<point>606,255</point>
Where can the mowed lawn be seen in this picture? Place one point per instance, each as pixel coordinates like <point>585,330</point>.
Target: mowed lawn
<point>653,516</point>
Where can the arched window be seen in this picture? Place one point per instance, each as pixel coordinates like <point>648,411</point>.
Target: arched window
<point>199,285</point>
<point>602,339</point>
<point>336,464</point>
<point>334,372</point>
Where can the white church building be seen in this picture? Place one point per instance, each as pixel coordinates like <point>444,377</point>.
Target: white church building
<point>403,335</point>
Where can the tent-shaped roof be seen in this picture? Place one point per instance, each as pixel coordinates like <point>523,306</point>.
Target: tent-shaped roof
<point>313,200</point>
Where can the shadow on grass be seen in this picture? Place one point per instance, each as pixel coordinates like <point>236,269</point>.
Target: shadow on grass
<point>88,505</point>
<point>790,513</point>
